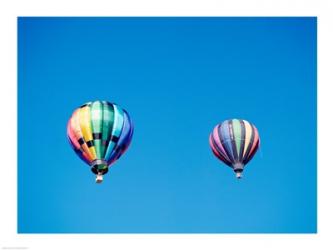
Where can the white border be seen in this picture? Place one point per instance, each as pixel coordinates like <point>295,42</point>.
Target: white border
<point>9,10</point>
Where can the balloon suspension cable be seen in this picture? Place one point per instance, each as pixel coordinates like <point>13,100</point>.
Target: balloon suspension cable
<point>99,178</point>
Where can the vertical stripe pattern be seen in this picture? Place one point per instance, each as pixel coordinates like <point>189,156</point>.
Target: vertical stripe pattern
<point>234,142</point>
<point>99,133</point>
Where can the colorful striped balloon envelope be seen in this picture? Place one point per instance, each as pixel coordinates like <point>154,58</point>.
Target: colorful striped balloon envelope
<point>235,142</point>
<point>99,133</point>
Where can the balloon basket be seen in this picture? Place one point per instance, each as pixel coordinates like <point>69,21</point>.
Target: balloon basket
<point>99,178</point>
<point>239,175</point>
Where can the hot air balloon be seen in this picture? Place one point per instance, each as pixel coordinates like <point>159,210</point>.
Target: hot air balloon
<point>235,142</point>
<point>99,133</point>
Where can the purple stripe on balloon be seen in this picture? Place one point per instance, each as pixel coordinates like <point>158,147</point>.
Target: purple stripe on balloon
<point>216,151</point>
<point>226,139</point>
<point>218,143</point>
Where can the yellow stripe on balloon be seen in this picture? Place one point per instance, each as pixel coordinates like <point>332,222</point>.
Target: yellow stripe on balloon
<point>248,133</point>
<point>85,124</point>
<point>75,123</point>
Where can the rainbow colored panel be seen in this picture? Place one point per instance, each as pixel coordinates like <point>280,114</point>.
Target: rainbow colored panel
<point>99,133</point>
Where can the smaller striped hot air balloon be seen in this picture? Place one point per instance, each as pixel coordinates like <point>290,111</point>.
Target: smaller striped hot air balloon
<point>235,142</point>
<point>99,132</point>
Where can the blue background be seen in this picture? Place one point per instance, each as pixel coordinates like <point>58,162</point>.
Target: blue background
<point>178,78</point>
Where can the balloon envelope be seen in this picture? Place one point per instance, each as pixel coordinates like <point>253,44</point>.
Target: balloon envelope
<point>99,133</point>
<point>235,142</point>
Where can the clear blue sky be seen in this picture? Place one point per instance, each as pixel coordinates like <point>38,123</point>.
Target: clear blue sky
<point>178,78</point>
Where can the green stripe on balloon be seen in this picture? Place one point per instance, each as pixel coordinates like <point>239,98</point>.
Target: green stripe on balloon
<point>108,121</point>
<point>116,130</point>
<point>97,126</point>
<point>237,135</point>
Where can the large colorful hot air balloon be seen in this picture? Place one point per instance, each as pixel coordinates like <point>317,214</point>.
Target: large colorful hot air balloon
<point>235,142</point>
<point>99,132</point>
